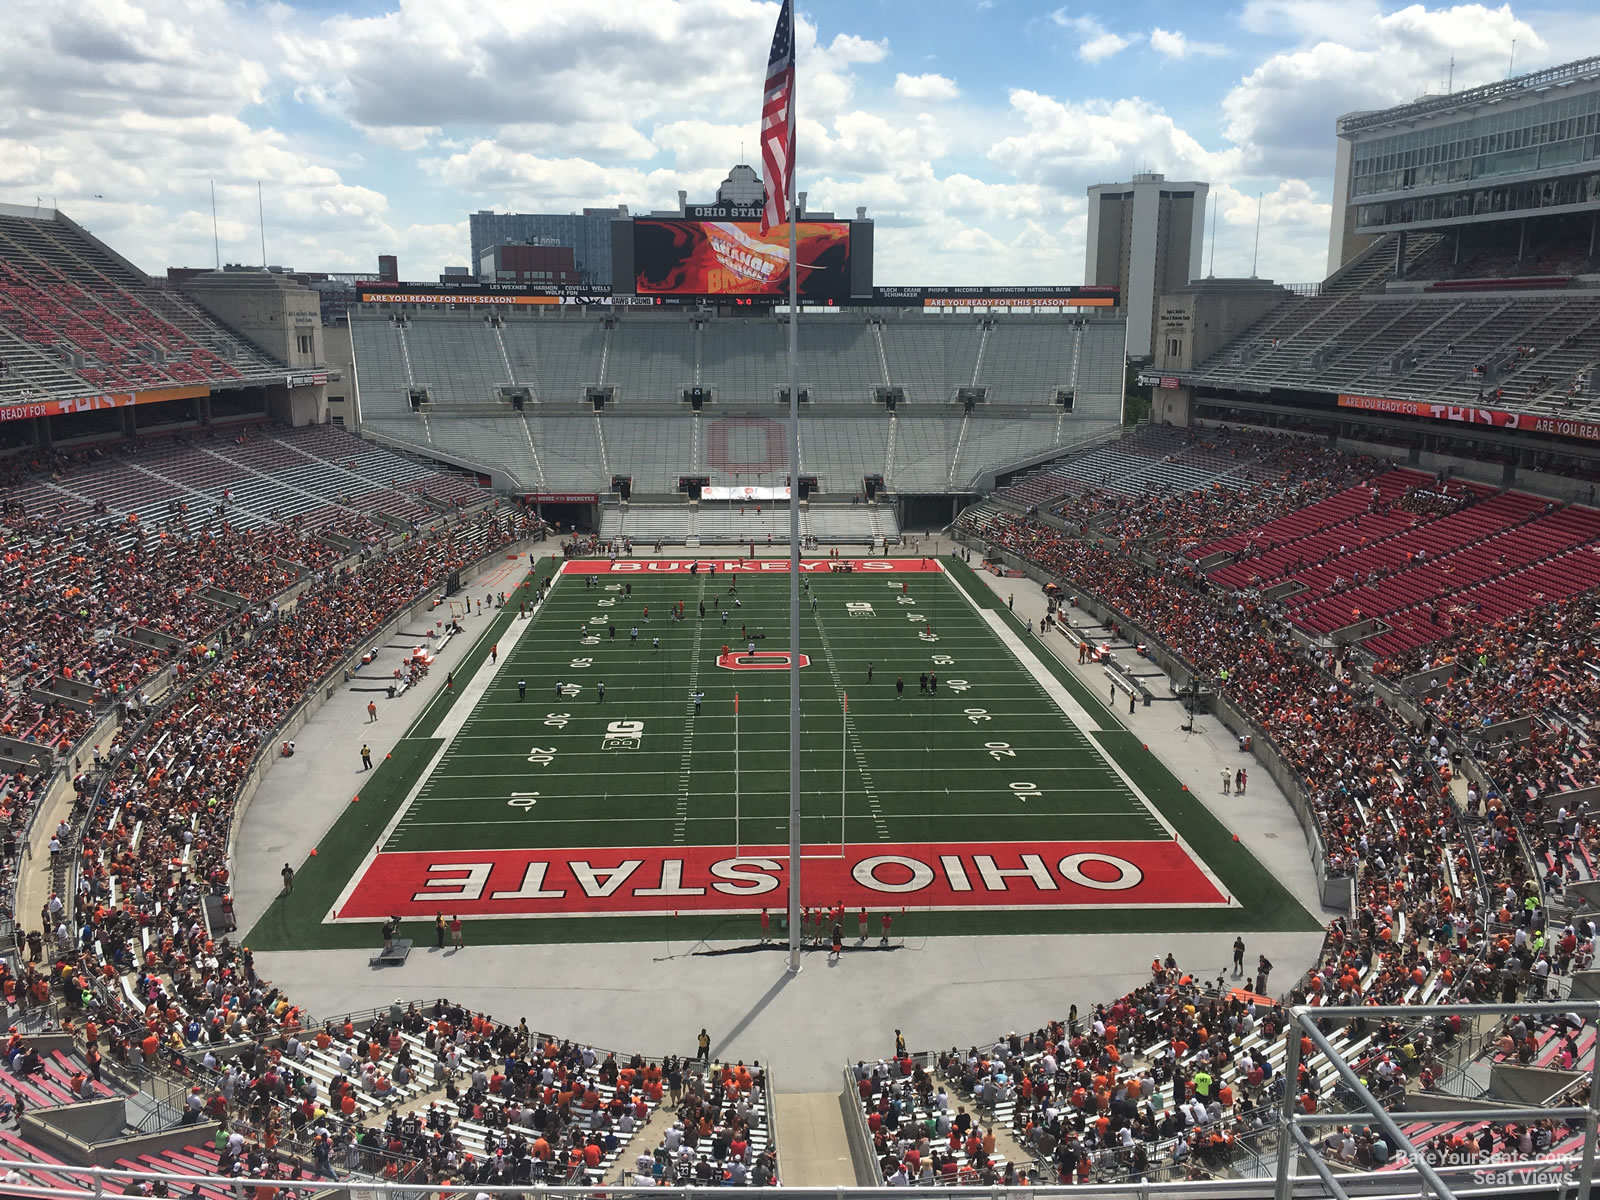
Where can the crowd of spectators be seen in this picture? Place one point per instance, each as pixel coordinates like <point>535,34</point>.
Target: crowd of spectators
<point>154,848</point>
<point>1542,664</point>
<point>1172,1080</point>
<point>1169,1081</point>
<point>1267,477</point>
<point>1447,908</point>
<point>157,836</point>
<point>1376,786</point>
<point>78,591</point>
<point>507,1106</point>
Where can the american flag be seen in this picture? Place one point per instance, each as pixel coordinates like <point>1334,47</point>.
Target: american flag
<point>777,120</point>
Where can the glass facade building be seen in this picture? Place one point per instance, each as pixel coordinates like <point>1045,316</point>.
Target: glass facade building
<point>587,233</point>
<point>1518,148</point>
<point>1560,132</point>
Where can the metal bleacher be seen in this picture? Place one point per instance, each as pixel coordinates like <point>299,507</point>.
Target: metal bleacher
<point>743,358</point>
<point>930,358</point>
<point>648,436</point>
<point>841,450</point>
<point>381,357</point>
<point>458,361</point>
<point>715,523</point>
<point>999,439</point>
<point>1026,362</point>
<point>492,441</point>
<point>924,447</point>
<point>651,450</point>
<point>558,359</point>
<point>569,451</point>
<point>1483,340</point>
<point>840,362</point>
<point>651,359</point>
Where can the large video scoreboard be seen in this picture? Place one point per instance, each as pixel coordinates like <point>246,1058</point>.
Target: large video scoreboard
<point>718,250</point>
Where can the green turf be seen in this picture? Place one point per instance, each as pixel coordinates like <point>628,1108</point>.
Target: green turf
<point>921,769</point>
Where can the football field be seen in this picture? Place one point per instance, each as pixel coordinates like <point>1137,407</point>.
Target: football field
<point>621,759</point>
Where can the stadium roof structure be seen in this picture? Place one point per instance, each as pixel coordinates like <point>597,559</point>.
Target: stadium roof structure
<point>1521,85</point>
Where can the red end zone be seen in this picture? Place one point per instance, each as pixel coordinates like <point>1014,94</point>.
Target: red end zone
<point>713,879</point>
<point>747,566</point>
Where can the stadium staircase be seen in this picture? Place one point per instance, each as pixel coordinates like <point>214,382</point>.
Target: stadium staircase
<point>1291,339</point>
<point>883,358</point>
<point>533,451</point>
<point>961,438</point>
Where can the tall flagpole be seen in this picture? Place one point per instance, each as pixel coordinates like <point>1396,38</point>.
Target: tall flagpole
<point>794,535</point>
<point>738,843</point>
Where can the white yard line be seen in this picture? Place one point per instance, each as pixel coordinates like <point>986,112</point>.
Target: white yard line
<point>680,825</point>
<point>728,818</point>
<point>1053,687</point>
<point>1056,690</point>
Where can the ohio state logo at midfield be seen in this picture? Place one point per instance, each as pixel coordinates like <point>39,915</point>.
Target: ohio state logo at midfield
<point>761,660</point>
<point>711,879</point>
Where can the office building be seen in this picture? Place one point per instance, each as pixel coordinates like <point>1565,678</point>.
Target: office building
<point>587,234</point>
<point>1146,238</point>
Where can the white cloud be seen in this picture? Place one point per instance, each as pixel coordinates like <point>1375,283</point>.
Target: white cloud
<point>925,87</point>
<point>1174,44</point>
<point>103,111</point>
<point>847,48</point>
<point>1068,144</point>
<point>483,63</point>
<point>374,126</point>
<point>1105,45</point>
<point>1306,18</point>
<point>1294,231</point>
<point>1095,41</point>
<point>1354,57</point>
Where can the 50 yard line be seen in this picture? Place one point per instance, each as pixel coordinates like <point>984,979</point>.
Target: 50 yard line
<point>680,826</point>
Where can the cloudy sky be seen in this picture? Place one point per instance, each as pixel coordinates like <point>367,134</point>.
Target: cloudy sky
<point>969,128</point>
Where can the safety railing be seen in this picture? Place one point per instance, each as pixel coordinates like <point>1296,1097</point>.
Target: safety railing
<point>1512,1177</point>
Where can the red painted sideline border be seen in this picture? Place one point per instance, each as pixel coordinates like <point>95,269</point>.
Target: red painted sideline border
<point>712,879</point>
<point>750,566</point>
